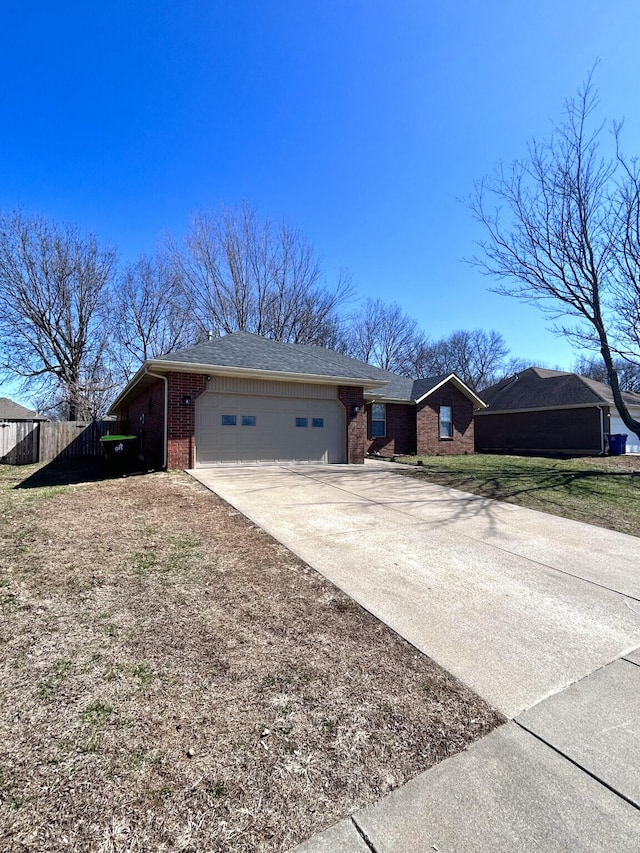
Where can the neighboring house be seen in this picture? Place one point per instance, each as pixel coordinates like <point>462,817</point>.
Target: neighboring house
<point>246,399</point>
<point>542,411</point>
<point>11,412</point>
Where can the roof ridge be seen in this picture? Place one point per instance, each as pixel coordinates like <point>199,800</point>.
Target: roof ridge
<point>587,380</point>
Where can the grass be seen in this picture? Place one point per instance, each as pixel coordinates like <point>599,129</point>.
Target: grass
<point>173,678</point>
<point>601,491</point>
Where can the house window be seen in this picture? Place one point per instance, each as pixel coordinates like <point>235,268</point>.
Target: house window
<point>229,420</point>
<point>378,420</point>
<point>248,420</point>
<point>302,422</point>
<point>446,422</point>
<point>317,423</point>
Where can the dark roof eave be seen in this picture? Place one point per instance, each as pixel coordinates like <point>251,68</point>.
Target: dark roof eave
<point>592,405</point>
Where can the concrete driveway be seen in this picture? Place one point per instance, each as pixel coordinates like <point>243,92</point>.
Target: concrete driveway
<point>540,615</point>
<point>516,603</point>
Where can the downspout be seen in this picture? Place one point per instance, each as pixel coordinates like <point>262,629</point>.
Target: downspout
<point>602,429</point>
<point>166,414</point>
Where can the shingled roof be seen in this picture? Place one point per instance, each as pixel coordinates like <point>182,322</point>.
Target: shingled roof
<point>402,389</point>
<point>10,411</point>
<point>251,352</point>
<point>243,353</point>
<point>538,388</point>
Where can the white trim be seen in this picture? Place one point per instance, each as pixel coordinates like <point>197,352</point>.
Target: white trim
<point>460,385</point>
<point>165,366</point>
<point>165,449</point>
<point>280,375</point>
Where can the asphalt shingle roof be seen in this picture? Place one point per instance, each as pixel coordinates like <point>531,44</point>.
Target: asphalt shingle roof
<point>10,411</point>
<point>244,350</point>
<point>403,388</point>
<point>252,352</point>
<point>537,388</point>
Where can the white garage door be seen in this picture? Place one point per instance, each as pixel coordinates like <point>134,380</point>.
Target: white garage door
<point>236,428</point>
<point>617,425</point>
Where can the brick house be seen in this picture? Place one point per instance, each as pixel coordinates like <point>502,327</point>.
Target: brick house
<point>551,411</point>
<point>246,399</point>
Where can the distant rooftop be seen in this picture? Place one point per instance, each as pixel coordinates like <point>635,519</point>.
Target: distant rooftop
<point>10,411</point>
<point>539,388</point>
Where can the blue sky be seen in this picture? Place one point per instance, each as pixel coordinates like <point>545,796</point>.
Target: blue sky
<point>362,122</point>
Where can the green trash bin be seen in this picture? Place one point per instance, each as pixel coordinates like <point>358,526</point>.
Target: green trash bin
<point>617,444</point>
<point>120,453</point>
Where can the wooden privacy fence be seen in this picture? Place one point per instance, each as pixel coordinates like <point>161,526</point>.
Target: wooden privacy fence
<point>19,443</point>
<point>24,443</point>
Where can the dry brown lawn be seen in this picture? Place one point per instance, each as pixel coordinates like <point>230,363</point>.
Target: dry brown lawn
<point>171,678</point>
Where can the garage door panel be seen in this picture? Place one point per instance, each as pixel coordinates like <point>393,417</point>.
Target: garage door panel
<point>275,436</point>
<point>618,426</point>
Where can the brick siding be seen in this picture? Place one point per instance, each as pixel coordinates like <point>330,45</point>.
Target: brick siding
<point>182,422</point>
<point>428,438</point>
<point>401,431</point>
<point>556,431</point>
<point>356,424</point>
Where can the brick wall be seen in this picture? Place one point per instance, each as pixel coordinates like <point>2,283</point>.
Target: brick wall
<point>145,418</point>
<point>182,422</point>
<point>557,431</point>
<point>356,424</point>
<point>401,431</point>
<point>428,438</point>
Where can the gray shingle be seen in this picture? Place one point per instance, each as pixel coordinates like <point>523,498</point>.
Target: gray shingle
<point>252,352</point>
<point>10,411</point>
<point>244,350</point>
<point>537,388</point>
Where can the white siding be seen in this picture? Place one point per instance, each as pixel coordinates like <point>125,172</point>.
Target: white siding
<point>617,425</point>
<point>267,388</point>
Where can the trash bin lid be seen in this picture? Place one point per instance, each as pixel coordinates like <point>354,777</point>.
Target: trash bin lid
<point>107,438</point>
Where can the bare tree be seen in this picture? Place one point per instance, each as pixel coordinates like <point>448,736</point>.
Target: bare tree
<point>594,368</point>
<point>243,273</point>
<point>385,336</point>
<point>569,245</point>
<point>53,334</point>
<point>478,357</point>
<point>150,312</point>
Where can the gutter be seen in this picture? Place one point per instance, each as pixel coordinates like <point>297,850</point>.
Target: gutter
<point>147,372</point>
<point>258,373</point>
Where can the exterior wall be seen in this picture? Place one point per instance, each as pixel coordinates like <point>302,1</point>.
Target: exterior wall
<point>401,431</point>
<point>552,431</point>
<point>428,438</point>
<point>356,424</point>
<point>617,426</point>
<point>182,421</point>
<point>145,418</point>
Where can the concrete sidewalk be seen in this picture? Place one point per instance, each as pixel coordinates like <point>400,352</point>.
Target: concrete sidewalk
<point>533,612</point>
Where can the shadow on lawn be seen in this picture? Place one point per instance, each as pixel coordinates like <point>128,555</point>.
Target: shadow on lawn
<point>546,488</point>
<point>66,472</point>
<point>69,472</point>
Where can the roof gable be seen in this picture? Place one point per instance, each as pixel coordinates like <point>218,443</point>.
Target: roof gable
<point>404,390</point>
